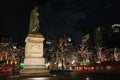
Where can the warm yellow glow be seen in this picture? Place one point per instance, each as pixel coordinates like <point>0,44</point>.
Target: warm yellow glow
<point>87,78</point>
<point>11,62</point>
<point>1,58</point>
<point>40,78</point>
<point>15,62</point>
<point>98,61</point>
<point>7,62</point>
<point>87,60</point>
<point>84,60</point>
<point>59,64</point>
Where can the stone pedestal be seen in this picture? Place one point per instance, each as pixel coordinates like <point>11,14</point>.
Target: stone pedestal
<point>34,63</point>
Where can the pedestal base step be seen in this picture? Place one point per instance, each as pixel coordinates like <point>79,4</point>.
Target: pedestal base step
<point>35,72</point>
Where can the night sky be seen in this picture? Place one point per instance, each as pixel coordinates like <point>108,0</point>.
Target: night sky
<point>57,16</point>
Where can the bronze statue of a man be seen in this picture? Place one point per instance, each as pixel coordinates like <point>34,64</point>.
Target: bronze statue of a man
<point>34,21</point>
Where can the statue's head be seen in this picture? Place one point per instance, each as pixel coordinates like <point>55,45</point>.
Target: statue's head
<point>35,8</point>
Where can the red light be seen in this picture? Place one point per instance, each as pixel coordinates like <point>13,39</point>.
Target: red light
<point>107,59</point>
<point>92,68</point>
<point>85,67</point>
<point>80,68</point>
